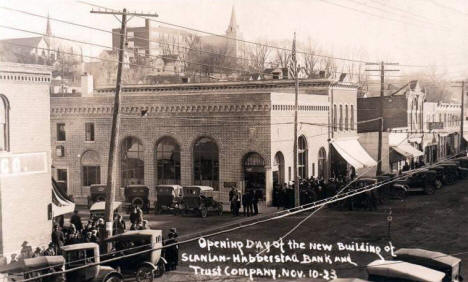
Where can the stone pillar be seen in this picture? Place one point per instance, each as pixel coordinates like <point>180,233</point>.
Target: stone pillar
<point>268,186</point>
<point>185,167</point>
<point>149,172</point>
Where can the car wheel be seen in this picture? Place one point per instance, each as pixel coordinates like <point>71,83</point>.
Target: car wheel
<point>160,269</point>
<point>113,278</point>
<point>437,184</point>
<point>220,210</point>
<point>145,273</point>
<point>203,212</point>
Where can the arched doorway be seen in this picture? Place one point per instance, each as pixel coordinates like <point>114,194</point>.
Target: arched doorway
<point>322,163</point>
<point>254,172</point>
<point>206,163</point>
<point>167,161</point>
<point>90,168</point>
<point>302,157</point>
<point>132,164</point>
<point>278,169</point>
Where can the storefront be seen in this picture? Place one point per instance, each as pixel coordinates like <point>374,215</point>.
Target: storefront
<point>348,157</point>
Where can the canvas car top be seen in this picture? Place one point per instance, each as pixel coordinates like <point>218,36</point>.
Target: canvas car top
<point>79,246</point>
<point>101,206</point>
<point>436,256</point>
<point>404,270</point>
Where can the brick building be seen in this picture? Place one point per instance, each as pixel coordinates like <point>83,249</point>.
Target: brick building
<point>25,174</point>
<point>217,134</point>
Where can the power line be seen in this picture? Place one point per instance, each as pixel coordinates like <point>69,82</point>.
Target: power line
<point>238,226</point>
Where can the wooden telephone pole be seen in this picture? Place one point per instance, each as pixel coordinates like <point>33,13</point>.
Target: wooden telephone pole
<point>114,140</point>
<point>297,201</point>
<point>382,71</point>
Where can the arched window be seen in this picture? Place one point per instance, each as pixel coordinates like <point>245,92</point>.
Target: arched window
<point>90,168</point>
<point>352,117</point>
<point>346,118</point>
<point>322,163</point>
<point>278,167</point>
<point>334,118</point>
<point>168,161</point>
<point>254,172</point>
<point>302,152</point>
<point>132,162</point>
<point>4,123</point>
<point>206,162</point>
<point>341,117</point>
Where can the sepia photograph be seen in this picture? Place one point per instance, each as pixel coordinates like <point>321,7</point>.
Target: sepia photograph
<point>233,140</point>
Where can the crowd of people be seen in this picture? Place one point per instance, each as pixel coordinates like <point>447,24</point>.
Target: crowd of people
<point>249,201</point>
<point>311,190</point>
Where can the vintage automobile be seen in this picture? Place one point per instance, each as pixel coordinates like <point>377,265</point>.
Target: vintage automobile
<point>462,166</point>
<point>424,180</point>
<point>199,199</point>
<point>349,280</point>
<point>97,210</point>
<point>438,261</point>
<point>137,195</point>
<point>391,271</point>
<point>143,266</point>
<point>168,197</point>
<point>450,171</point>
<point>35,267</point>
<point>86,258</point>
<point>97,193</point>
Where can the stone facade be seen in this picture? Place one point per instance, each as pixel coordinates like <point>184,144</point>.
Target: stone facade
<point>241,118</point>
<point>25,182</point>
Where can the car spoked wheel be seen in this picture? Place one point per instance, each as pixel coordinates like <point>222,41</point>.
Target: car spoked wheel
<point>203,212</point>
<point>114,278</point>
<point>145,273</point>
<point>220,210</point>
<point>438,184</point>
<point>160,269</point>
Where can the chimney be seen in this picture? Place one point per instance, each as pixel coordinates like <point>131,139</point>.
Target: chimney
<point>87,86</point>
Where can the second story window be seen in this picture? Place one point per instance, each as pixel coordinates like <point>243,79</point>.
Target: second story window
<point>346,117</point>
<point>341,117</point>
<point>4,123</point>
<point>89,131</point>
<point>334,118</point>
<point>352,117</point>
<point>61,132</point>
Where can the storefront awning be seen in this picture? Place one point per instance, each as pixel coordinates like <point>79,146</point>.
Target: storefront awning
<point>60,204</point>
<point>352,151</point>
<point>407,150</point>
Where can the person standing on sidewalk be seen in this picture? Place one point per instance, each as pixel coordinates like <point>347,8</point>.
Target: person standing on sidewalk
<point>258,196</point>
<point>246,202</point>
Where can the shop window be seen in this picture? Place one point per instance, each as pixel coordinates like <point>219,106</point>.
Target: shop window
<point>168,161</point>
<point>206,162</point>
<point>132,162</point>
<point>89,131</point>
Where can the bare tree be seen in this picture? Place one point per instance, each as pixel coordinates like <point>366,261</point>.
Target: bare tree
<point>258,56</point>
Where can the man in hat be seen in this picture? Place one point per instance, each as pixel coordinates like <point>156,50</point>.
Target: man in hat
<point>76,220</point>
<point>58,238</point>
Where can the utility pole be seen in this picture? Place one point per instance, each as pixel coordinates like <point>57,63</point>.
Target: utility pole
<point>114,140</point>
<point>462,114</point>
<point>296,98</point>
<point>382,71</point>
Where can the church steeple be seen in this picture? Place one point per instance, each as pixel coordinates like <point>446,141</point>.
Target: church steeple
<point>48,30</point>
<point>233,27</point>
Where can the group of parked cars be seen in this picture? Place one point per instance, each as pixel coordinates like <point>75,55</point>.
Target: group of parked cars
<point>411,265</point>
<point>169,198</point>
<point>131,254</point>
<point>425,179</point>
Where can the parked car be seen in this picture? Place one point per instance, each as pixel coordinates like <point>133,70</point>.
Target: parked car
<point>199,199</point>
<point>83,254</point>
<point>462,167</point>
<point>168,197</point>
<point>137,195</point>
<point>97,193</point>
<point>450,172</point>
<point>97,210</point>
<point>391,271</point>
<point>34,267</point>
<point>440,174</point>
<point>424,180</point>
<point>438,261</point>
<point>147,265</point>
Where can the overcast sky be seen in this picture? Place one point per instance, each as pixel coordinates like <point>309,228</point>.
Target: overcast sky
<point>416,32</point>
